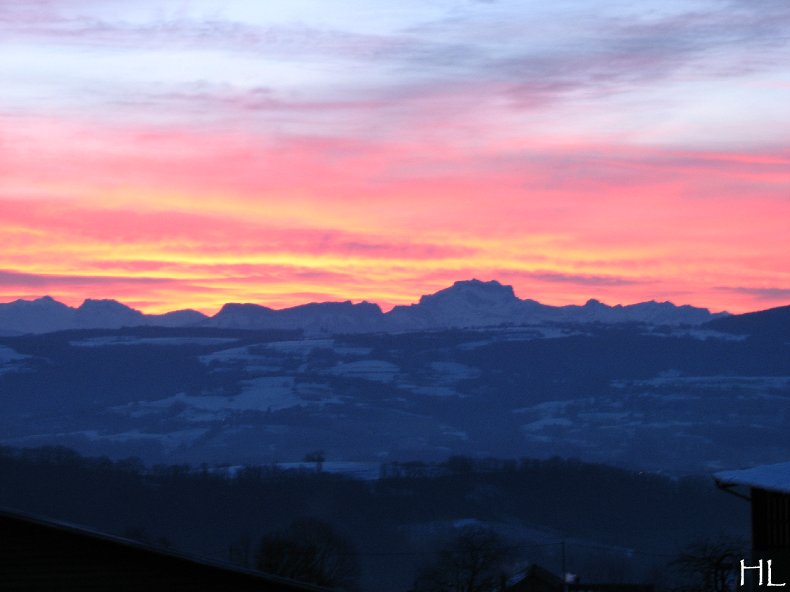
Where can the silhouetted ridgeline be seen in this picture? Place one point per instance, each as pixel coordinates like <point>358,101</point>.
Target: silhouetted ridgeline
<point>610,518</point>
<point>470,303</point>
<point>774,321</point>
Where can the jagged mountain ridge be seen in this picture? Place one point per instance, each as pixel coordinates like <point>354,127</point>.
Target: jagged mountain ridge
<point>469,303</point>
<point>45,315</point>
<point>316,317</point>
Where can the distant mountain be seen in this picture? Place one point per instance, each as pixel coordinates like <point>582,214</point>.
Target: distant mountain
<point>316,317</point>
<point>652,312</point>
<point>243,316</point>
<point>333,317</point>
<point>106,314</point>
<point>774,321</point>
<point>471,303</point>
<point>46,314</point>
<point>177,318</point>
<point>474,303</point>
<point>36,316</point>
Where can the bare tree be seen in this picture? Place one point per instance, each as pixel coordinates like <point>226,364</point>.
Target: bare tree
<point>310,550</point>
<point>240,552</point>
<point>474,561</point>
<point>709,566</point>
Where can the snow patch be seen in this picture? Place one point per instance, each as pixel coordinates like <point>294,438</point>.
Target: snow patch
<point>259,394</point>
<point>453,371</point>
<point>547,422</point>
<point>432,390</point>
<point>8,354</point>
<point>376,370</point>
<point>234,354</point>
<point>301,346</point>
<point>167,341</point>
<point>11,360</point>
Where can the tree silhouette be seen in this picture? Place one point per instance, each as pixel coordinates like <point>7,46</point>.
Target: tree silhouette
<point>310,550</point>
<point>709,566</point>
<point>474,561</point>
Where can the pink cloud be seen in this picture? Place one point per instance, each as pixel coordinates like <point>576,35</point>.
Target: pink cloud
<point>390,220</point>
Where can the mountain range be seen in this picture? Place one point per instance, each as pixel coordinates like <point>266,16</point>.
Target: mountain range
<point>470,303</point>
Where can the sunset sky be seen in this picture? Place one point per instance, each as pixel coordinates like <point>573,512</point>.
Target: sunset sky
<point>188,154</point>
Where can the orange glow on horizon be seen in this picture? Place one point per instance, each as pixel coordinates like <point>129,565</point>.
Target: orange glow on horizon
<point>166,219</point>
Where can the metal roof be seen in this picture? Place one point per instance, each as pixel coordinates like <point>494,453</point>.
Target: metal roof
<point>112,540</point>
<point>775,477</point>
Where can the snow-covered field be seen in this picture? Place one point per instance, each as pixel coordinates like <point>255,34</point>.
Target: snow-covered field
<point>11,360</point>
<point>163,341</point>
<point>509,392</point>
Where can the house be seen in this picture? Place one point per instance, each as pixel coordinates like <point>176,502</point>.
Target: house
<point>40,554</point>
<point>538,579</point>
<point>767,488</point>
